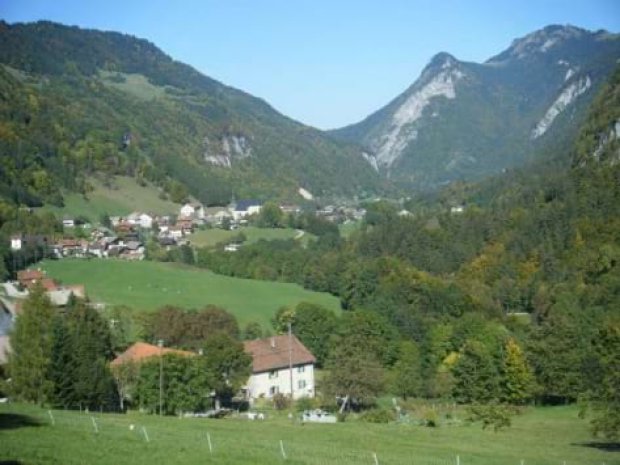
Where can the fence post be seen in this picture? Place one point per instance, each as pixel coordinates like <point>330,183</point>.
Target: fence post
<point>458,460</point>
<point>95,427</point>
<point>49,412</point>
<point>146,435</point>
<point>374,455</point>
<point>282,449</point>
<point>210,445</point>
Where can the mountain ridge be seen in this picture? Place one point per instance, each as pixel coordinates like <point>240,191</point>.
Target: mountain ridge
<point>462,120</point>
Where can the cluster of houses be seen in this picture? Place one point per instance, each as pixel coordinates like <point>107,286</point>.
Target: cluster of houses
<point>13,294</point>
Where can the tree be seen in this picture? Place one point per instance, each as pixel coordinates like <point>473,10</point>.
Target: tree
<point>32,341</point>
<point>604,393</point>
<point>406,377</point>
<point>252,330</point>
<point>314,326</point>
<point>517,384</point>
<point>186,384</point>
<point>228,364</point>
<point>353,372</point>
<point>90,342</point>
<point>475,374</point>
<point>270,216</point>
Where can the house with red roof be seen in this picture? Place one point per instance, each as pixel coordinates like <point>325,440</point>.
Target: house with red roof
<point>278,362</point>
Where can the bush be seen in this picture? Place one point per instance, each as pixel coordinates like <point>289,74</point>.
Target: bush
<point>429,417</point>
<point>378,416</point>
<point>305,403</point>
<point>496,415</point>
<point>280,401</point>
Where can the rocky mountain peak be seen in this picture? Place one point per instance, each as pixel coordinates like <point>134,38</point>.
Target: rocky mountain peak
<point>540,41</point>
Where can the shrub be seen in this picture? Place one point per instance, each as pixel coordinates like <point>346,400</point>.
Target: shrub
<point>280,401</point>
<point>378,416</point>
<point>305,403</point>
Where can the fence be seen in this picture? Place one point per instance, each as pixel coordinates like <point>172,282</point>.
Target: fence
<point>233,441</point>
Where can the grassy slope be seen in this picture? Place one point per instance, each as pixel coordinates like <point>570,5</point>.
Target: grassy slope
<point>211,237</point>
<point>539,437</point>
<point>124,197</point>
<point>149,285</point>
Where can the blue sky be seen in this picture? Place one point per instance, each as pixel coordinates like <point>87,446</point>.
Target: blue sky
<point>325,63</point>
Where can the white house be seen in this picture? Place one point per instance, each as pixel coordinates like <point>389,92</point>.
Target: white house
<point>245,208</point>
<point>271,372</point>
<point>192,210</point>
<point>16,242</point>
<point>145,221</point>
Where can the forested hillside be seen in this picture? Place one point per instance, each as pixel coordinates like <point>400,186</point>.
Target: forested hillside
<point>529,267</point>
<point>78,103</point>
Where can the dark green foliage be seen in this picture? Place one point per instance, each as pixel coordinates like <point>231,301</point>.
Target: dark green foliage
<point>604,392</point>
<point>189,329</point>
<point>353,372</point>
<point>314,326</point>
<point>227,363</point>
<point>476,374</point>
<point>32,340</point>
<point>186,384</point>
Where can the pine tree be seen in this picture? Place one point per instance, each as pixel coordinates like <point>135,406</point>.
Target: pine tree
<point>31,341</point>
<point>518,380</point>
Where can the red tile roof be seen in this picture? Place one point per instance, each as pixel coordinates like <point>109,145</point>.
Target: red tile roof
<point>26,276</point>
<point>272,353</point>
<point>141,351</point>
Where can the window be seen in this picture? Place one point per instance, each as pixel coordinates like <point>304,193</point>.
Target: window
<point>273,374</point>
<point>273,390</point>
<point>301,369</point>
<point>301,384</point>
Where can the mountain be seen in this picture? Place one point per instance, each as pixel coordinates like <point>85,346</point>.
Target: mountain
<point>463,121</point>
<point>78,103</point>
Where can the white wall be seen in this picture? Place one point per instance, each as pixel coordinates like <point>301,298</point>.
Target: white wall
<point>260,383</point>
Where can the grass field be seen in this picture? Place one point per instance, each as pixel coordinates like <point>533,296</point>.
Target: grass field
<point>122,198</point>
<point>211,237</point>
<point>149,285</point>
<point>543,436</point>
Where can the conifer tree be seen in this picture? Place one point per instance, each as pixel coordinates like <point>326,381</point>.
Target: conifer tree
<point>518,380</point>
<point>31,341</point>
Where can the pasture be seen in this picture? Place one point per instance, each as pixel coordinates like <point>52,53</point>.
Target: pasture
<point>212,237</point>
<point>121,197</point>
<point>540,436</point>
<point>149,285</point>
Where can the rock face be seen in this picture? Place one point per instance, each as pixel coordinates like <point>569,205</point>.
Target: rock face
<point>463,120</point>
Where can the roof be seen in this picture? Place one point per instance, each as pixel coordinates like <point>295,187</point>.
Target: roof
<point>140,351</point>
<point>29,275</point>
<point>273,353</point>
<point>243,205</point>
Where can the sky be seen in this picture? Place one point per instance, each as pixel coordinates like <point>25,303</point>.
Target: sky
<point>324,63</point>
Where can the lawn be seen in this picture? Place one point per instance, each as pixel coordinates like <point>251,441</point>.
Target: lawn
<point>122,197</point>
<point>542,436</point>
<point>211,237</point>
<point>150,285</point>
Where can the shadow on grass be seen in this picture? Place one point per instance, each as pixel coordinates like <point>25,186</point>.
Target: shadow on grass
<point>605,446</point>
<point>11,462</point>
<point>14,421</point>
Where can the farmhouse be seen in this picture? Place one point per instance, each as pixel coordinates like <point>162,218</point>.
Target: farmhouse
<point>245,208</point>
<point>271,361</point>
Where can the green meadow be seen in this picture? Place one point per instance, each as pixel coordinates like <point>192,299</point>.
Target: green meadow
<point>121,197</point>
<point>540,436</point>
<point>212,237</point>
<point>149,285</point>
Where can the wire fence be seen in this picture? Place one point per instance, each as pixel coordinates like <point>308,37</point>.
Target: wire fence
<point>228,442</point>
